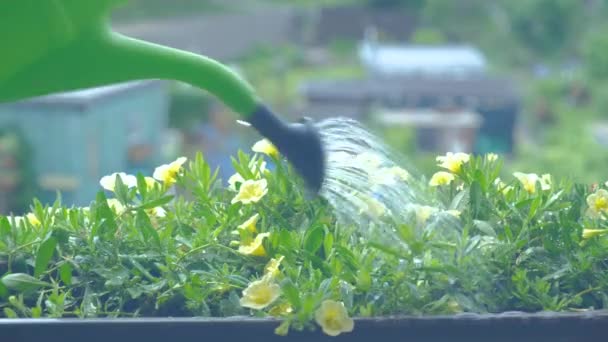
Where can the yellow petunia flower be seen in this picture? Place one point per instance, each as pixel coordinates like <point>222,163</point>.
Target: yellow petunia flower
<point>453,212</point>
<point>33,220</point>
<point>441,178</point>
<point>281,310</point>
<point>527,180</point>
<point>368,161</point>
<point>116,206</point>
<point>373,207</point>
<point>266,147</point>
<point>150,182</point>
<point>234,180</point>
<point>591,233</point>
<point>109,182</point>
<point>545,182</point>
<point>249,225</point>
<point>423,213</point>
<point>389,176</point>
<point>453,161</point>
<point>260,293</point>
<point>598,203</point>
<point>158,212</point>
<point>272,267</point>
<point>251,191</point>
<point>167,173</point>
<point>255,247</point>
<point>491,157</point>
<point>333,318</point>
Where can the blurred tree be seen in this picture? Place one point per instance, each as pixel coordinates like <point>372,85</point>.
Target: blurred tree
<point>428,36</point>
<point>545,27</point>
<point>414,5</point>
<point>595,50</point>
<point>459,20</point>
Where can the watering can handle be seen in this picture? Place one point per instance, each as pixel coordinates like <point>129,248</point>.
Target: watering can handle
<point>107,57</point>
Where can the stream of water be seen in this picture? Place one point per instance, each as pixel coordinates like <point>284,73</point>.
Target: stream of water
<point>369,184</point>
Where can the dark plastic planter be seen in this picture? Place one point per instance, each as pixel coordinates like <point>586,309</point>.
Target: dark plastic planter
<point>519,327</point>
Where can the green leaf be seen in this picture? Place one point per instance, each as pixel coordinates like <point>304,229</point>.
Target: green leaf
<point>142,186</point>
<point>10,313</point>
<point>22,282</point>
<point>291,293</point>
<point>328,244</point>
<point>105,217</point>
<point>3,291</point>
<point>45,253</point>
<point>5,228</point>
<point>121,190</point>
<point>156,203</point>
<point>553,199</point>
<point>65,273</point>
<point>485,227</point>
<point>313,240</point>
<point>476,198</point>
<point>145,227</point>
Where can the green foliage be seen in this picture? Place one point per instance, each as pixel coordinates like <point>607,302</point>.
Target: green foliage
<point>500,248</point>
<point>16,168</point>
<point>189,106</point>
<point>595,49</point>
<point>428,36</point>
<point>544,26</point>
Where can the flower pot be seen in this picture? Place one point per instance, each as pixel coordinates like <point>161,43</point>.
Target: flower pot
<point>520,327</point>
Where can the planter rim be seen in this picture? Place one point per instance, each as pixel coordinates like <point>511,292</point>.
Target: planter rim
<point>462,317</point>
<point>508,326</point>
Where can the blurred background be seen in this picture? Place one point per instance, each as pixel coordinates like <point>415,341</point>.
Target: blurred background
<point>527,79</point>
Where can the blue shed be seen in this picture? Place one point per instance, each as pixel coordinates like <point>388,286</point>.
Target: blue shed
<point>80,136</point>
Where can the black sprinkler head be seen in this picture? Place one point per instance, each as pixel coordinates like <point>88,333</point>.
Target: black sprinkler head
<point>300,143</point>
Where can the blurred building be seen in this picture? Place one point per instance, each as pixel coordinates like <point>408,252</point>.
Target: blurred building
<point>78,137</point>
<point>440,79</point>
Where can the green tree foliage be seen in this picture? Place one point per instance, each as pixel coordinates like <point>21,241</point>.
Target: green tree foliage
<point>544,26</point>
<point>595,51</point>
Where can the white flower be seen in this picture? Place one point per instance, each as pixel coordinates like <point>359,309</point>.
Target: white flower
<point>109,182</point>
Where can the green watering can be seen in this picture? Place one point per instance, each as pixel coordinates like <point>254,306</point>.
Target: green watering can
<point>51,46</point>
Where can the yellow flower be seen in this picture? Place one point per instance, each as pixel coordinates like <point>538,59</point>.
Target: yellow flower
<point>272,267</point>
<point>249,225</point>
<point>150,182</point>
<point>598,203</point>
<point>116,206</point>
<point>455,213</point>
<point>527,180</point>
<point>333,318</point>
<point>33,220</point>
<point>441,178</point>
<point>492,157</point>
<point>423,213</point>
<point>167,173</point>
<point>255,247</point>
<point>389,176</point>
<point>158,212</point>
<point>108,182</point>
<point>368,161</point>
<point>266,147</point>
<point>373,207</point>
<point>234,180</point>
<point>453,161</point>
<point>591,233</point>
<point>251,191</point>
<point>260,293</point>
<point>281,310</point>
<point>545,182</point>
